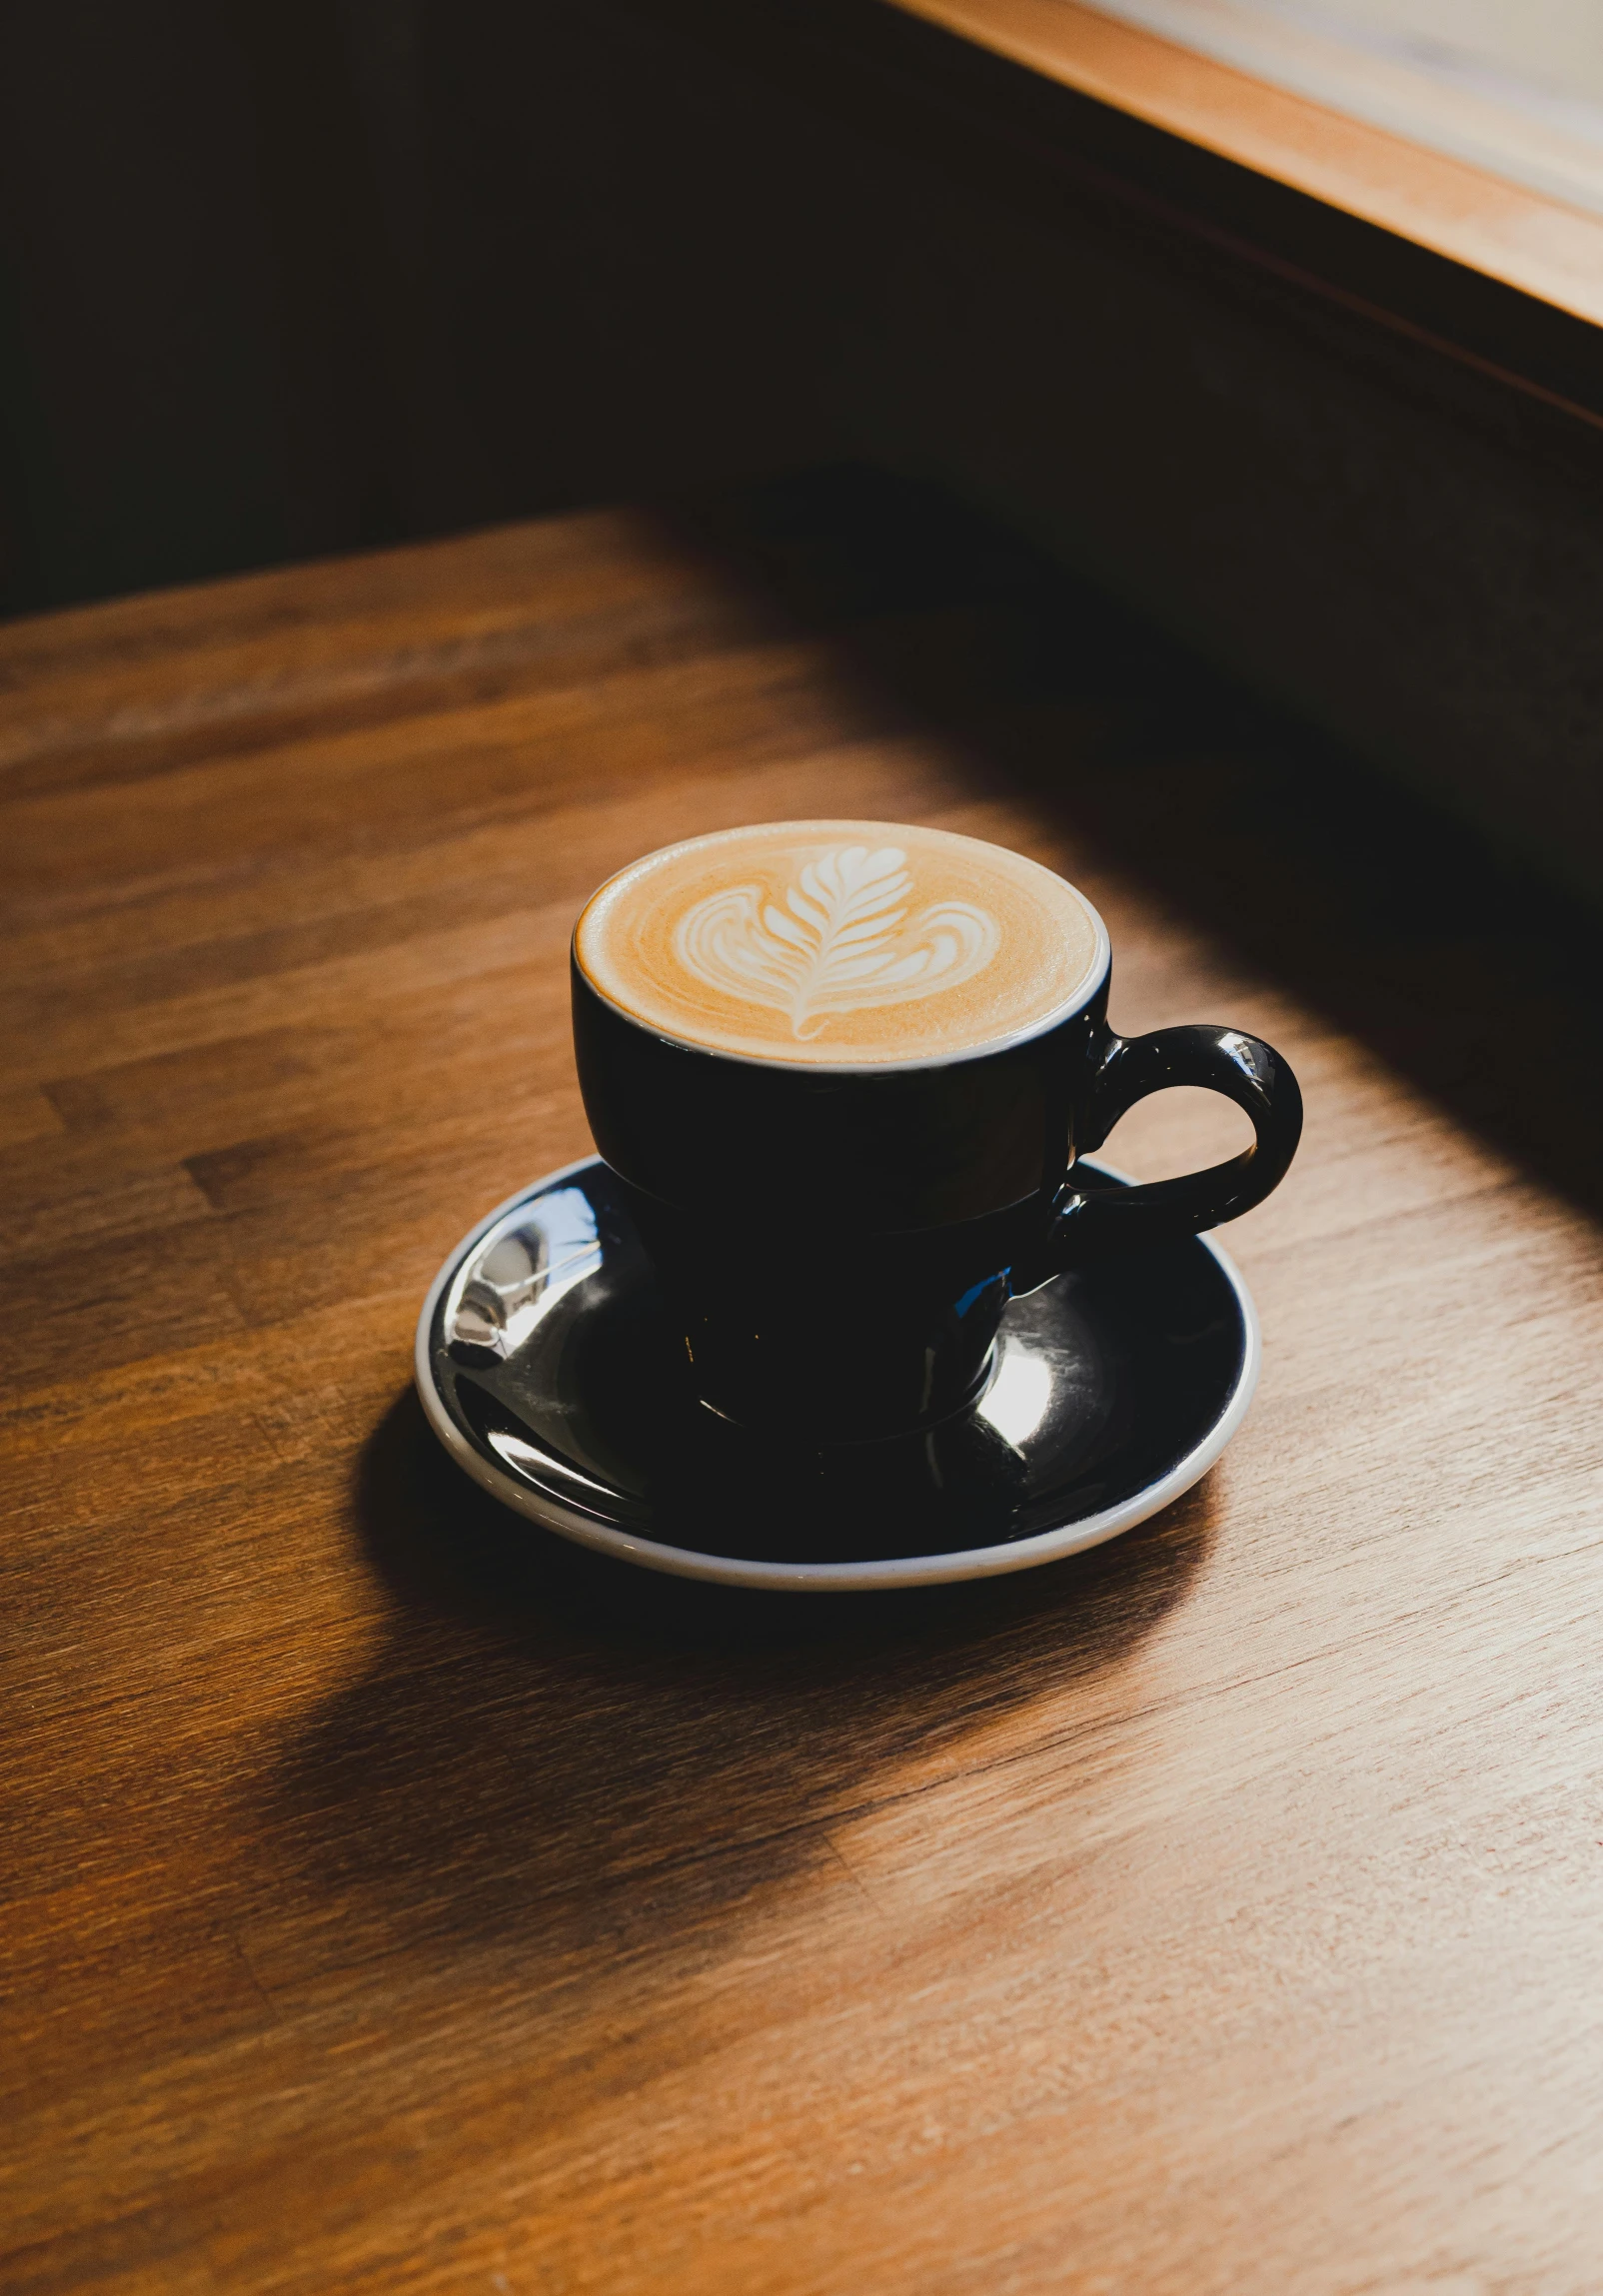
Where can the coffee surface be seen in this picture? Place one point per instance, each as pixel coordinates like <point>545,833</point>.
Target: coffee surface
<point>831,942</point>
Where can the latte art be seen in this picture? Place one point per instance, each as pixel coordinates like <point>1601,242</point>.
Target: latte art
<point>840,942</point>
<point>835,945</point>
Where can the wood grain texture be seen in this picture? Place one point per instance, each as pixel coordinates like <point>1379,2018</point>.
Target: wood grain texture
<point>395,1901</point>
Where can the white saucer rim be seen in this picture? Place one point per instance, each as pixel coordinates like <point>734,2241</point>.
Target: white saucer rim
<point>828,1577</point>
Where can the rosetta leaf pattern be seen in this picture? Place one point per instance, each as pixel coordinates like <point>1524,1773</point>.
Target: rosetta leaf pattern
<point>838,940</point>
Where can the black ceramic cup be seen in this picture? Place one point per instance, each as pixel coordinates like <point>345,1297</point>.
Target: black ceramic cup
<point>836,1245</point>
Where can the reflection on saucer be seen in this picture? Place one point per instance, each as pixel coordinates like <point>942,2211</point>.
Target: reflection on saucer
<point>1019,1396</point>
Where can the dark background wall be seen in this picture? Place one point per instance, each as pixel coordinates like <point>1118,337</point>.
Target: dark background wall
<point>285,278</point>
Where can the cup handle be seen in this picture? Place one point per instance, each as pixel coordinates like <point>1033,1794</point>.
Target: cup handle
<point>1093,1225</point>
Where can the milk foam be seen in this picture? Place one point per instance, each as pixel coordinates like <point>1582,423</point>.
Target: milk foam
<point>839,942</point>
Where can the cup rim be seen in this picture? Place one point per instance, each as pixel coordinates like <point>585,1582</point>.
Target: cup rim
<point>1072,1004</point>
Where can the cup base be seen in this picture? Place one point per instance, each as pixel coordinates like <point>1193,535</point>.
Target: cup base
<point>780,1437</point>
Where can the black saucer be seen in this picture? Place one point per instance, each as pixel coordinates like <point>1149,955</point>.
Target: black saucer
<point>548,1369</point>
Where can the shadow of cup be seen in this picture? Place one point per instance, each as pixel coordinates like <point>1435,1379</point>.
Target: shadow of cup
<point>553,1747</point>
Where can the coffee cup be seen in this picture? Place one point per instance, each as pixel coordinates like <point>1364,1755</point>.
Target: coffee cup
<point>843,1072</point>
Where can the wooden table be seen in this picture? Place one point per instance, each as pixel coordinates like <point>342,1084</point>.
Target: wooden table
<point>394,1900</point>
